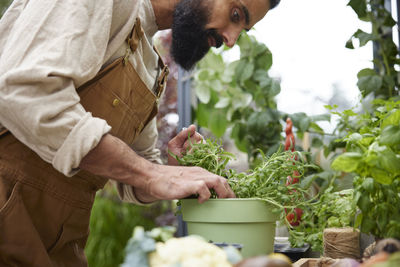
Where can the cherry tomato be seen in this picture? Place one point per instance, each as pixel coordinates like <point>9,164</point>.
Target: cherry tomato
<point>294,218</point>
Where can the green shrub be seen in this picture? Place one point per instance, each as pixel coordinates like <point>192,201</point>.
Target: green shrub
<point>111,225</point>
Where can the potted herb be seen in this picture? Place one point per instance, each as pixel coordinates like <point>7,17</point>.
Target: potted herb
<point>264,196</point>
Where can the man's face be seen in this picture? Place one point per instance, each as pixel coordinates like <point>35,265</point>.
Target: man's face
<point>199,24</point>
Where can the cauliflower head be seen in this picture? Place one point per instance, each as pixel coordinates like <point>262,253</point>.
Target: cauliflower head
<point>189,251</point>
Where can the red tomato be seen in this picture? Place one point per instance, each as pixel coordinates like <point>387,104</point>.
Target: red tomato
<point>294,218</point>
<point>290,180</point>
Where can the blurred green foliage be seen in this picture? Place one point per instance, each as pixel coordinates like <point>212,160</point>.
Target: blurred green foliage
<point>3,6</point>
<point>111,225</point>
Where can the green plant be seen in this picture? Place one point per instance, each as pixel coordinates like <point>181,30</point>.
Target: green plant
<point>373,154</point>
<point>209,155</point>
<point>111,227</point>
<point>267,181</point>
<point>332,209</point>
<point>374,163</point>
<point>382,81</point>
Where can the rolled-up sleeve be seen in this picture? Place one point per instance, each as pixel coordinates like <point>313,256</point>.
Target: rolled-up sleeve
<point>145,145</point>
<point>53,48</point>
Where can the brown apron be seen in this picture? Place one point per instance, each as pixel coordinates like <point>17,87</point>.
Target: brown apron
<point>44,215</point>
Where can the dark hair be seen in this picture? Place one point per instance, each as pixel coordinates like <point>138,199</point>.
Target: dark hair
<point>273,3</point>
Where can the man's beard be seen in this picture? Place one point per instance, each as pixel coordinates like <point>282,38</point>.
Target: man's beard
<point>189,36</point>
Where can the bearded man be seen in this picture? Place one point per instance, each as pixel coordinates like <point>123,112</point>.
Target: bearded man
<point>80,83</point>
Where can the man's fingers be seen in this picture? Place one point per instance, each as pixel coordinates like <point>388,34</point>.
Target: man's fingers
<point>182,136</point>
<point>203,192</point>
<point>221,187</point>
<point>196,138</point>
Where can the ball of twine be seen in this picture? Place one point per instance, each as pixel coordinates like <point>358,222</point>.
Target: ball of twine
<point>341,243</point>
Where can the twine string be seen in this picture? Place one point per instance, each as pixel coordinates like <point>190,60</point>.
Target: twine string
<point>341,243</point>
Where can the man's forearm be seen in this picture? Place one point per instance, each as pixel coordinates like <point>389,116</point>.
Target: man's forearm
<point>114,159</point>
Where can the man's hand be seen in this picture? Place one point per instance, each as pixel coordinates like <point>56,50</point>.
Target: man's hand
<point>173,182</point>
<point>180,143</point>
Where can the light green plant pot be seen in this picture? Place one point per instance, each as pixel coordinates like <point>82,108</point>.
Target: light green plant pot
<point>245,221</point>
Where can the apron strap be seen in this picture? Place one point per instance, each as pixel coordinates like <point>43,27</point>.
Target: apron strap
<point>133,39</point>
<point>135,36</point>
<point>163,77</point>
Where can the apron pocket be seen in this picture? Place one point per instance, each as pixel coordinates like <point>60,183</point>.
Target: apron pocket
<point>11,189</point>
<point>105,104</point>
<point>58,242</point>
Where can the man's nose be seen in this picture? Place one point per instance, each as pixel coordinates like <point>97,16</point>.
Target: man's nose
<point>230,36</point>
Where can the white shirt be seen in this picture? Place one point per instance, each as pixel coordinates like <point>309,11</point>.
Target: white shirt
<point>48,48</point>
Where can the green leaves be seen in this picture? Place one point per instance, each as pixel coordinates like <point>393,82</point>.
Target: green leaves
<point>332,209</point>
<point>301,121</point>
<point>347,162</point>
<point>203,93</point>
<point>384,82</point>
<point>369,81</point>
<point>379,206</point>
<point>360,7</point>
<point>379,162</point>
<point>375,135</point>
<point>264,60</point>
<point>390,136</point>
<point>262,77</point>
<point>266,181</point>
<point>218,122</point>
<point>209,155</point>
<point>244,70</point>
<point>368,185</point>
<point>363,37</point>
<point>111,225</point>
<point>373,155</point>
<point>392,118</point>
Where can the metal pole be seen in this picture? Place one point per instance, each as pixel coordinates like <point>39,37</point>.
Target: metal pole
<point>398,23</point>
<point>185,119</point>
<point>375,45</point>
<point>184,99</point>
